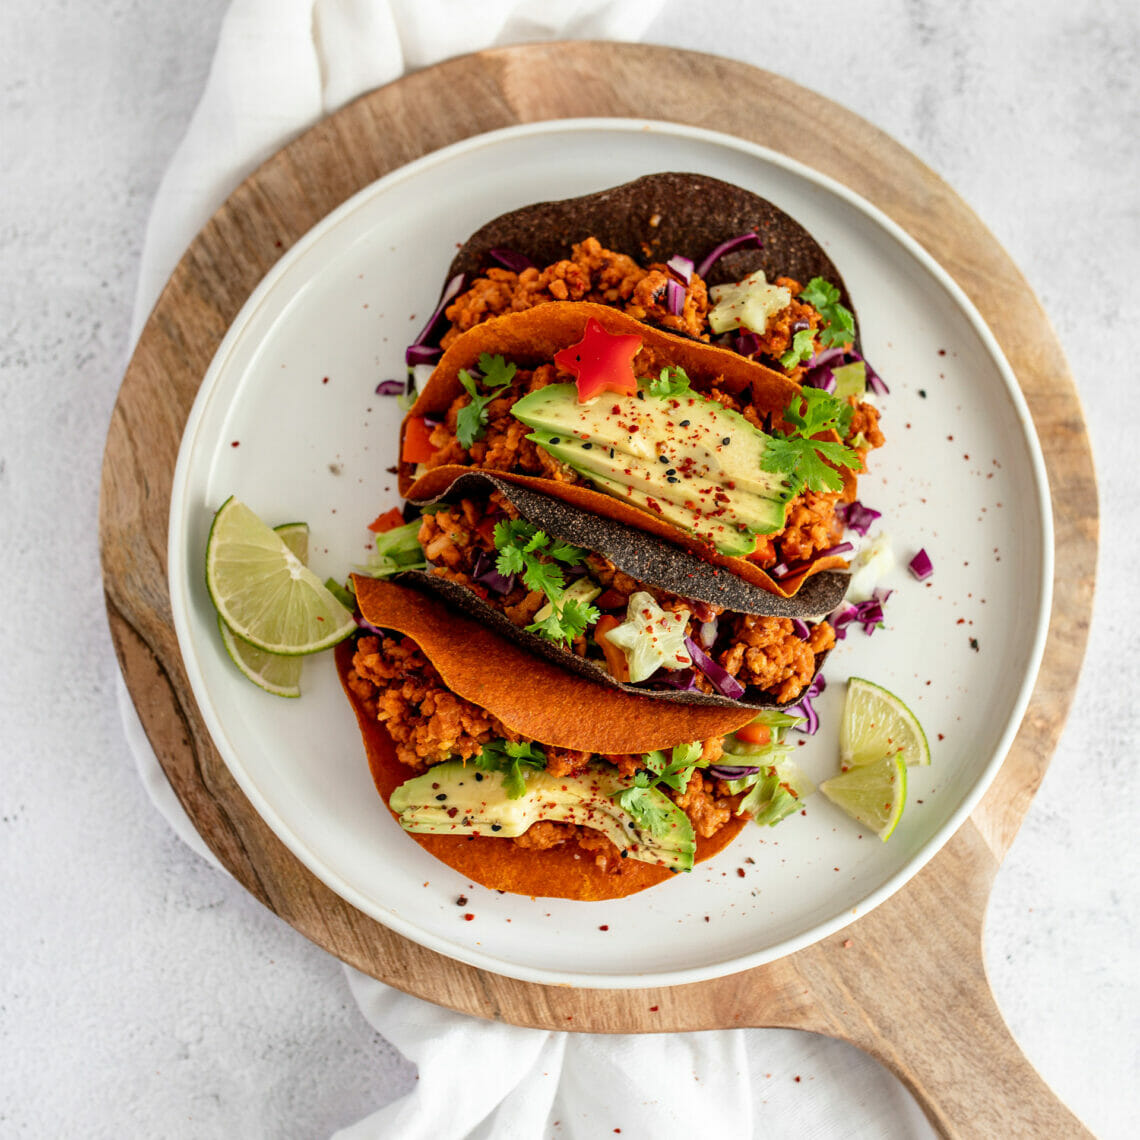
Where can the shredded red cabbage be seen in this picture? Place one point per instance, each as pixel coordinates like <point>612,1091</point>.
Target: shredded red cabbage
<point>746,344</point>
<point>681,268</point>
<point>367,624</point>
<point>857,517</point>
<point>804,707</point>
<point>674,297</point>
<point>684,680</point>
<point>421,354</point>
<point>785,570</point>
<point>921,566</point>
<point>732,771</point>
<point>390,388</point>
<point>739,242</point>
<point>802,630</point>
<point>722,680</point>
<point>509,259</point>
<point>868,614</point>
<point>489,576</point>
<point>822,378</point>
<point>427,333</point>
<point>837,356</point>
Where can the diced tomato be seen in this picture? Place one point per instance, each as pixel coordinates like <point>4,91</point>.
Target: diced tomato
<point>615,657</point>
<point>486,531</point>
<point>754,733</point>
<point>417,441</point>
<point>389,520</point>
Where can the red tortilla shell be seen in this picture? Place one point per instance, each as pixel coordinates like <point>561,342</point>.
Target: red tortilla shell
<point>532,696</point>
<point>533,337</point>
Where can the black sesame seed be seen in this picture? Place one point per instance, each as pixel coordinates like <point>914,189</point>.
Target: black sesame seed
<point>478,776</point>
<point>496,827</point>
<point>727,440</point>
<point>663,458</point>
<point>671,471</point>
<point>587,446</point>
<point>442,796</point>
<point>555,439</point>
<point>672,479</point>
<point>685,423</point>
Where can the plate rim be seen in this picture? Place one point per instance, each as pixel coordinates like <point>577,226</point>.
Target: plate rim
<point>176,555</point>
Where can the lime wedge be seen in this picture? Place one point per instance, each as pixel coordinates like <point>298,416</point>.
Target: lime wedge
<point>278,675</point>
<point>873,793</point>
<point>877,724</point>
<point>263,591</point>
<point>296,537</point>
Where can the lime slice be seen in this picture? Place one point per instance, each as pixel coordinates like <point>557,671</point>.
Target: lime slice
<point>873,793</point>
<point>263,591</point>
<point>296,537</point>
<point>272,672</point>
<point>877,724</point>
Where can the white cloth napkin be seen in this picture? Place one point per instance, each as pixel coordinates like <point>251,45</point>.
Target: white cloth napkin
<point>281,65</point>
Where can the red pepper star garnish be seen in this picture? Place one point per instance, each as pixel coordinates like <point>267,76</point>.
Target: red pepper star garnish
<point>601,362</point>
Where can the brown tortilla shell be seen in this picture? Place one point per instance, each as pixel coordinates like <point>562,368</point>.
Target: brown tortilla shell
<point>561,872</point>
<point>654,218</point>
<point>536,698</point>
<point>534,336</point>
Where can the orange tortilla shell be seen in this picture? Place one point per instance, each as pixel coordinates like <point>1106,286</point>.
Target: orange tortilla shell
<point>565,872</point>
<point>534,697</point>
<point>533,337</point>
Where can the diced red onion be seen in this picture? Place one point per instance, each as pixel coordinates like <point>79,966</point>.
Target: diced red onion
<point>450,292</point>
<point>732,771</point>
<point>802,630</point>
<point>674,297</point>
<point>509,259</point>
<point>921,566</point>
<point>706,634</point>
<point>722,680</point>
<point>799,326</point>
<point>681,268</point>
<point>839,548</point>
<point>390,388</point>
<point>874,380</point>
<point>739,242</point>
<point>826,358</point>
<point>857,517</point>
<point>421,354</point>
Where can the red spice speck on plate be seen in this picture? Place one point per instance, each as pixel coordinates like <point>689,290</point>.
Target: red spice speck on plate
<point>603,928</point>
<point>468,917</point>
<point>236,443</point>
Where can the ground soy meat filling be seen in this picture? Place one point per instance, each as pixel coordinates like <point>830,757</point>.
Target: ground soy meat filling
<point>761,652</point>
<point>397,685</point>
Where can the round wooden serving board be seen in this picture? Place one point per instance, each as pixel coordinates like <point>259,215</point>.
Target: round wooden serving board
<point>930,1017</point>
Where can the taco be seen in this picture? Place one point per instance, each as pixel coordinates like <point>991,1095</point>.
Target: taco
<point>528,779</point>
<point>685,440</point>
<point>685,252</point>
<point>616,605</point>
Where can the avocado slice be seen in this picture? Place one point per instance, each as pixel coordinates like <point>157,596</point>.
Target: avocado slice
<point>457,799</point>
<point>685,457</point>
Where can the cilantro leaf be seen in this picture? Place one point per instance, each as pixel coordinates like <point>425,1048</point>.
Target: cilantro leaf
<point>471,419</point>
<point>799,456</point>
<point>839,322</point>
<point>673,771</point>
<point>802,348</point>
<point>648,812</point>
<point>673,381</point>
<point>512,758</point>
<point>496,371</point>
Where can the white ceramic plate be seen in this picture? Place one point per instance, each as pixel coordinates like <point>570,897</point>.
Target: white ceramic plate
<point>287,420</point>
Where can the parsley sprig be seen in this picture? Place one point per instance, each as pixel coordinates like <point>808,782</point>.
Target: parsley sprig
<point>512,759</point>
<point>809,462</point>
<point>538,558</point>
<point>838,320</point>
<point>471,422</point>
